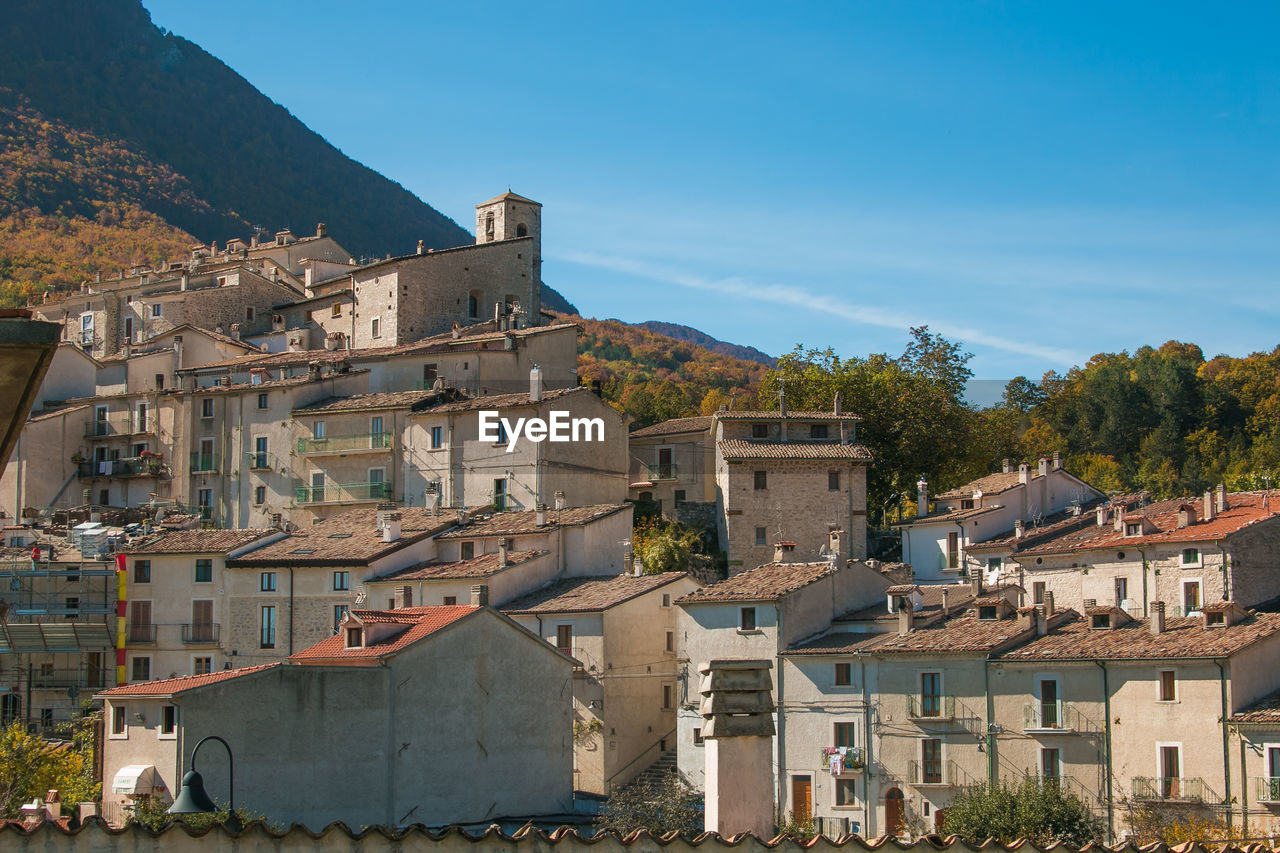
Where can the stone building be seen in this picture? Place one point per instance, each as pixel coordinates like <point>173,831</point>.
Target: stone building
<point>674,463</point>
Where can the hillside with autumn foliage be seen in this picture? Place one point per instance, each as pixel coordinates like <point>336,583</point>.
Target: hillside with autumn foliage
<point>653,377</point>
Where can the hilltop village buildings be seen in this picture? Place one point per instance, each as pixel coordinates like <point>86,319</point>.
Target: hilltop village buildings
<point>273,487</point>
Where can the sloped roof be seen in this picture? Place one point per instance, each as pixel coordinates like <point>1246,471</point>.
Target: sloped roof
<point>198,541</point>
<point>509,196</point>
<point>742,449</point>
<point>421,622</point>
<point>350,538</point>
<point>588,595</point>
<point>960,634</point>
<point>758,415</point>
<point>1265,710</point>
<point>959,595</point>
<point>763,583</point>
<point>483,566</point>
<point>173,686</point>
<point>675,426</point>
<point>526,521</point>
<point>1181,638</point>
<point>991,484</point>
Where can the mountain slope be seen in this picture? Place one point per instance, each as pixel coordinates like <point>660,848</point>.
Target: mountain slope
<point>702,339</point>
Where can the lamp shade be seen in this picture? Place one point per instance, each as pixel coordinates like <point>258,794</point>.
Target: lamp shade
<point>192,799</point>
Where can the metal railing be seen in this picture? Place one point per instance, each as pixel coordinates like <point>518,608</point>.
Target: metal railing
<point>101,429</point>
<point>928,772</point>
<point>663,472</point>
<point>133,466</point>
<point>1266,789</point>
<point>854,759</point>
<point>1176,788</point>
<point>939,707</point>
<point>204,462</point>
<point>342,492</point>
<point>260,460</point>
<point>1047,716</point>
<point>139,633</point>
<point>62,678</point>
<point>345,443</point>
<point>200,633</point>
<point>34,589</point>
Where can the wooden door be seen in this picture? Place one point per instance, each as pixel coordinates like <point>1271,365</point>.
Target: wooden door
<point>939,817</point>
<point>895,812</point>
<point>802,798</point>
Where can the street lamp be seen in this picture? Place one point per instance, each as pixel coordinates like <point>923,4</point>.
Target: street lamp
<point>193,799</point>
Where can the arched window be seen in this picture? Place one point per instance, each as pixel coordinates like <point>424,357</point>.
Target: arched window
<point>473,304</point>
<point>522,230</point>
<point>488,226</point>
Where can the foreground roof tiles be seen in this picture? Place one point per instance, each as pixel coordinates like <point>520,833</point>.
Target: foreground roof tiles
<point>742,449</point>
<point>351,538</point>
<point>198,541</point>
<point>675,426</point>
<point>763,583</point>
<point>959,634</point>
<point>526,521</point>
<point>587,595</point>
<point>1181,638</point>
<point>171,686</point>
<point>421,621</point>
<point>483,566</point>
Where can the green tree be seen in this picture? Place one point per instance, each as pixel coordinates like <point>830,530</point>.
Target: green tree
<point>663,804</point>
<point>30,766</point>
<point>153,813</point>
<point>1036,809</point>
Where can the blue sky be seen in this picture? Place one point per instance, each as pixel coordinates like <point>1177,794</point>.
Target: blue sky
<point>1038,181</point>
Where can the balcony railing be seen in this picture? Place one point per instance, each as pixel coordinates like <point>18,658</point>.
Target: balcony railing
<point>935,708</point>
<point>343,493</point>
<point>139,633</point>
<point>199,633</point>
<point>853,759</point>
<point>260,460</point>
<point>1173,788</point>
<point>345,443</point>
<point>1266,789</point>
<point>61,679</point>
<point>662,472</point>
<point>1047,717</point>
<point>133,466</point>
<point>204,462</point>
<point>102,429</point>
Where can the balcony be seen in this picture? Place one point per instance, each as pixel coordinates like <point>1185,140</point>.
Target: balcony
<point>931,709</point>
<point>365,443</point>
<point>1047,718</point>
<point>260,461</point>
<point>1169,789</point>
<point>134,466</point>
<point>200,634</point>
<point>138,634</point>
<point>204,463</point>
<point>61,679</point>
<point>854,759</point>
<point>336,493</point>
<point>1267,789</point>
<point>103,429</point>
<point>942,774</point>
<point>662,472</point>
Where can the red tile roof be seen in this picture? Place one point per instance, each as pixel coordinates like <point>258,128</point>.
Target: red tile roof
<point>991,484</point>
<point>763,583</point>
<point>1181,638</point>
<point>351,538</point>
<point>588,595</point>
<point>198,541</point>
<point>1266,710</point>
<point>483,566</point>
<point>174,686</point>
<point>758,415</point>
<point>959,634</point>
<point>421,622</point>
<point>526,521</point>
<point>743,449</point>
<point>675,426</point>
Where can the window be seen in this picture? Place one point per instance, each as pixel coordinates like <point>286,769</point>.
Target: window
<point>698,739</point>
<point>931,761</point>
<point>1100,620</point>
<point>833,481</point>
<point>679,496</point>
<point>206,407</point>
<point>46,717</point>
<point>267,627</point>
<point>1190,597</point>
<point>473,305</point>
<point>1216,619</point>
<point>259,494</point>
<point>317,429</point>
<point>747,619</point>
<point>844,674</point>
<point>201,665</point>
<point>104,497</point>
<point>953,550</point>
<point>1122,591</point>
<point>262,401</point>
<point>1168,687</point>
<point>117,719</point>
<point>339,610</point>
<point>450,600</point>
<point>931,694</point>
<point>202,621</point>
<point>267,582</point>
<point>846,792</point>
<point>157,310</point>
<point>1037,592</point>
<point>204,570</point>
<point>141,669</point>
<point>668,696</point>
<point>375,328</point>
<point>429,374</point>
<point>375,426</point>
<point>1133,529</point>
<point>86,328</point>
<point>488,227</point>
<point>335,310</point>
<point>760,480</point>
<point>994,564</point>
<point>168,720</point>
<point>1170,756</point>
<point>966,503</point>
<point>259,452</point>
<point>341,581</point>
<point>817,431</point>
<point>564,638</point>
<point>354,638</point>
<point>759,430</point>
<point>1190,556</point>
<point>671,641</point>
<point>1050,763</point>
<point>159,381</point>
<point>845,734</point>
<point>248,314</point>
<point>437,437</point>
<point>72,605</point>
<point>666,599</point>
<point>142,571</point>
<point>1050,716</point>
<point>500,495</point>
<point>466,550</point>
<point>762,536</point>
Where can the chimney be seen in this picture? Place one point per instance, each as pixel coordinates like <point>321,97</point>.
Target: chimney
<point>906,617</point>
<point>391,527</point>
<point>480,595</point>
<point>497,313</point>
<point>1186,515</point>
<point>1157,617</point>
<point>784,552</point>
<point>502,553</point>
<point>944,601</point>
<point>321,229</point>
<point>127,349</point>
<point>455,332</point>
<point>186,281</point>
<point>535,384</point>
<point>1222,498</point>
<point>1019,528</point>
<point>404,597</point>
<point>253,241</point>
<point>235,331</point>
<point>1048,603</point>
<point>1117,520</point>
<point>836,404</point>
<point>53,804</point>
<point>1042,620</point>
<point>922,497</point>
<point>540,515</point>
<point>560,502</point>
<point>1208,506</point>
<point>835,543</point>
<point>1044,466</point>
<point>188,383</point>
<point>1057,460</point>
<point>313,370</point>
<point>975,582</point>
<point>1101,514</point>
<point>422,247</point>
<point>1090,603</point>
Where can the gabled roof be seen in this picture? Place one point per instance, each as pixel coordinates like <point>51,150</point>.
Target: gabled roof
<point>419,622</point>
<point>759,415</point>
<point>174,686</point>
<point>676,426</point>
<point>198,541</point>
<point>1181,638</point>
<point>526,521</point>
<point>351,538</point>
<point>958,596</point>
<point>958,634</point>
<point>991,484</point>
<point>948,516</point>
<point>483,566</point>
<point>508,196</point>
<point>739,449</point>
<point>589,595</point>
<point>1264,711</point>
<point>763,583</point>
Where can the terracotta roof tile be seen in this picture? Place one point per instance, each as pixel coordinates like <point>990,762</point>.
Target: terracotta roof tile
<point>742,449</point>
<point>351,538</point>
<point>758,415</point>
<point>676,425</point>
<point>172,686</point>
<point>1182,638</point>
<point>763,583</point>
<point>991,484</point>
<point>526,521</point>
<point>962,634</point>
<point>586,595</point>
<point>1266,710</point>
<point>959,595</point>
<point>422,622</point>
<point>948,515</point>
<point>363,402</point>
<point>197,541</point>
<point>483,566</point>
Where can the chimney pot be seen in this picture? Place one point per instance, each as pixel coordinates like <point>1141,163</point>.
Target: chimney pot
<point>404,597</point>
<point>1024,473</point>
<point>1057,460</point>
<point>1019,528</point>
<point>1157,617</point>
<point>502,553</point>
<point>922,497</point>
<point>391,527</point>
<point>480,595</point>
<point>1222,498</point>
<point>541,515</point>
<point>1048,603</point>
<point>1208,506</point>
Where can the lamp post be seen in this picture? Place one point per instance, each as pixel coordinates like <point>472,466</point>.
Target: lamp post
<point>193,799</point>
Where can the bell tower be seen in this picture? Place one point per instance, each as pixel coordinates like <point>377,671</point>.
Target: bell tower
<point>510,217</point>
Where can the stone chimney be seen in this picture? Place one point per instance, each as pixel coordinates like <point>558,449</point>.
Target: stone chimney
<point>737,710</point>
<point>784,552</point>
<point>1102,513</point>
<point>391,527</point>
<point>1048,603</point>
<point>975,581</point>
<point>906,617</point>
<point>502,553</point>
<point>404,596</point>
<point>313,370</point>
<point>1006,466</point>
<point>480,595</point>
<point>1117,519</point>
<point>1208,506</point>
<point>253,241</point>
<point>235,331</point>
<point>1024,473</point>
<point>1222,498</point>
<point>1186,515</point>
<point>1044,466</point>
<point>922,497</point>
<point>422,247</point>
<point>535,384</point>
<point>1019,528</point>
<point>835,543</point>
<point>186,281</point>
<point>1157,617</point>
<point>1042,620</point>
<point>540,515</point>
<point>321,229</point>
<point>1090,603</point>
